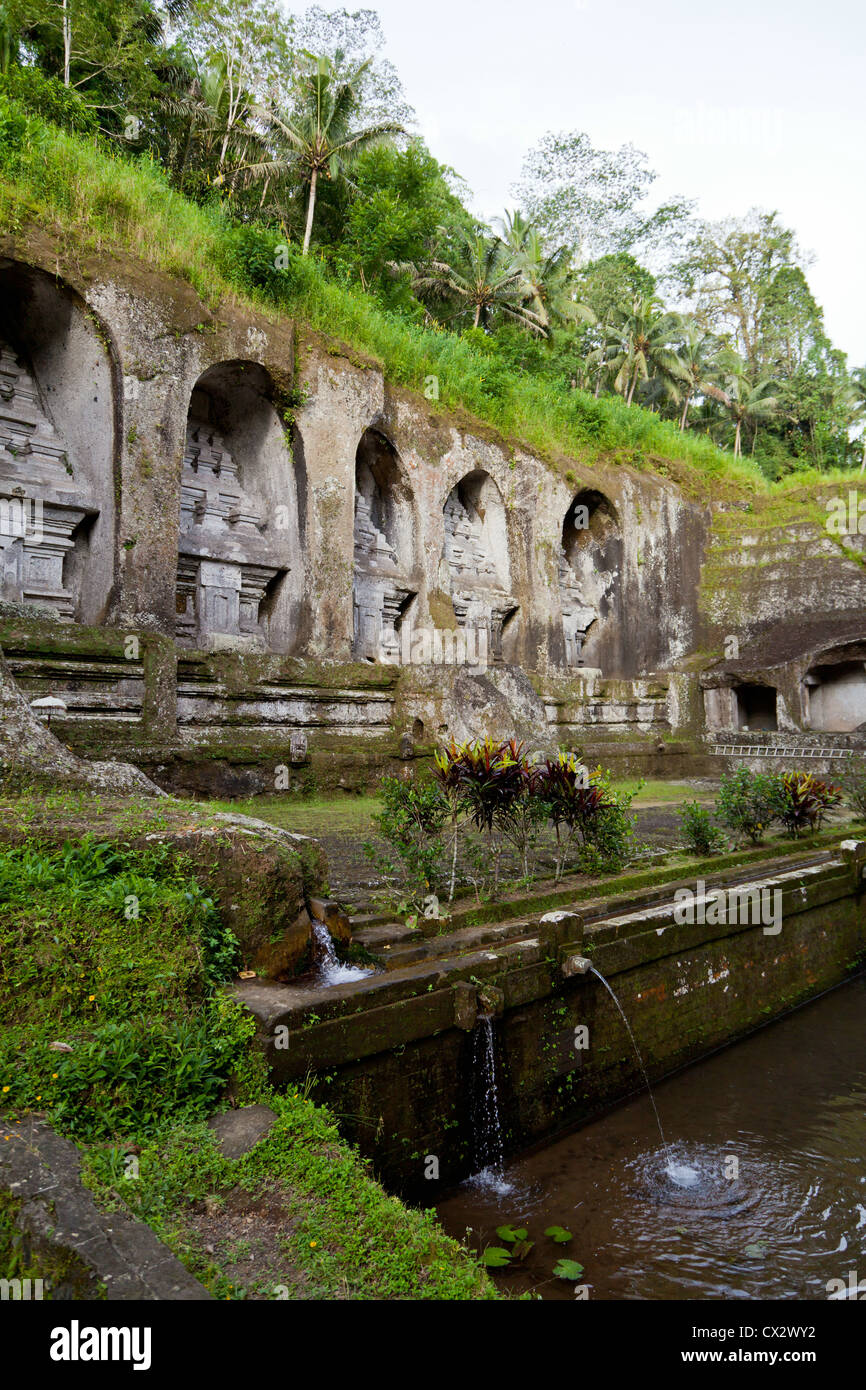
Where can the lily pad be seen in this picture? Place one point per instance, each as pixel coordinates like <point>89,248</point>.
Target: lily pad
<point>510,1234</point>
<point>494,1257</point>
<point>559,1234</point>
<point>567,1269</point>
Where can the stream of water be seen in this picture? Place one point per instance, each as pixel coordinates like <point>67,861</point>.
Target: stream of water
<point>762,1195</point>
<point>331,969</point>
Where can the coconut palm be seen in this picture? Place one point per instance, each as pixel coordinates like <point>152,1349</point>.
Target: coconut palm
<point>315,140</point>
<point>856,400</point>
<point>548,276</point>
<point>747,402</point>
<point>637,346</point>
<point>482,279</point>
<point>698,356</point>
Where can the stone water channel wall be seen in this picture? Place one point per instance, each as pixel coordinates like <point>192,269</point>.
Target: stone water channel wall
<point>391,1054</point>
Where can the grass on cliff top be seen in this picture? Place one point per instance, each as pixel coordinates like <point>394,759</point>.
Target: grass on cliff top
<point>106,204</point>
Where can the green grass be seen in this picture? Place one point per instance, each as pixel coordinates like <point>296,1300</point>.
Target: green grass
<point>114,954</point>
<point>100,202</point>
<point>661,793</point>
<point>116,1028</point>
<point>309,815</point>
<point>340,1235</point>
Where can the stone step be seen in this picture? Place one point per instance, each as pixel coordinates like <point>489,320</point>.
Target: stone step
<point>458,942</point>
<point>375,938</point>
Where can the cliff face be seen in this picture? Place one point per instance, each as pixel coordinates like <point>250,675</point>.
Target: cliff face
<point>225,539</point>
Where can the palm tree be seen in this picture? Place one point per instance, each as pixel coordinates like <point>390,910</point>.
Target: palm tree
<point>548,276</point>
<point>746,402</point>
<point>638,342</point>
<point>483,279</point>
<point>697,354</point>
<point>857,404</point>
<point>315,139</point>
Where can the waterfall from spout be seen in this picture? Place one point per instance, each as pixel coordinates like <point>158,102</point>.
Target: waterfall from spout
<point>331,969</point>
<point>489,1151</point>
<point>680,1176</point>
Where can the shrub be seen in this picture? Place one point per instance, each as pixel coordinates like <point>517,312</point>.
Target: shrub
<point>48,98</point>
<point>493,779</point>
<point>411,821</point>
<point>745,803</point>
<point>851,778</point>
<point>259,260</point>
<point>585,812</point>
<point>699,833</point>
<point>800,800</point>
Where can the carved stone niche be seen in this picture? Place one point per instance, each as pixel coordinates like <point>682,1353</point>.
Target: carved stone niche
<point>577,615</point>
<point>480,599</point>
<point>382,589</point>
<point>225,569</point>
<point>590,556</point>
<point>41,507</point>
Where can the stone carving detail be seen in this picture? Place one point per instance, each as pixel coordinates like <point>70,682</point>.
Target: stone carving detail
<point>577,615</point>
<point>477,596</point>
<point>224,563</point>
<point>380,592</point>
<point>41,506</point>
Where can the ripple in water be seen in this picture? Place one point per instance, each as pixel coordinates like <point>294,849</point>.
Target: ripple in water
<point>762,1195</point>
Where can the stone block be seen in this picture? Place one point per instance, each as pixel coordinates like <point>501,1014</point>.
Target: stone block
<point>238,1131</point>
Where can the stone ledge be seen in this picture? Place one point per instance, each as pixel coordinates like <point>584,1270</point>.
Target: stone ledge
<point>59,1216</point>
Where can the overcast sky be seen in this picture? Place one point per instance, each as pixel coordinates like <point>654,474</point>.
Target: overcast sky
<point>737,104</point>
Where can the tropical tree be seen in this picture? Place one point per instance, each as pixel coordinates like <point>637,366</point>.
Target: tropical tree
<point>593,201</point>
<point>857,404</point>
<point>316,140</point>
<point>697,352</point>
<point>245,45</point>
<point>747,402</point>
<point>482,279</point>
<point>547,275</point>
<point>637,346</point>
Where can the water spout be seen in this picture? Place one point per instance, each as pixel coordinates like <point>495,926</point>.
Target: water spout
<point>637,1054</point>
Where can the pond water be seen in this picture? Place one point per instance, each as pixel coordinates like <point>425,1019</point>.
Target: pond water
<point>762,1194</point>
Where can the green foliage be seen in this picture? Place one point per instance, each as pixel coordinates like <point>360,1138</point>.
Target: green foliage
<point>851,778</point>
<point>800,800</point>
<point>259,261</point>
<point>47,97</point>
<point>745,803</point>
<point>586,813</point>
<point>109,962</point>
<point>495,1257</point>
<point>699,833</point>
<point>559,1234</point>
<point>567,1269</point>
<point>412,820</point>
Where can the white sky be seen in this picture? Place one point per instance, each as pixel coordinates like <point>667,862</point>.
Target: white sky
<point>738,103</point>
